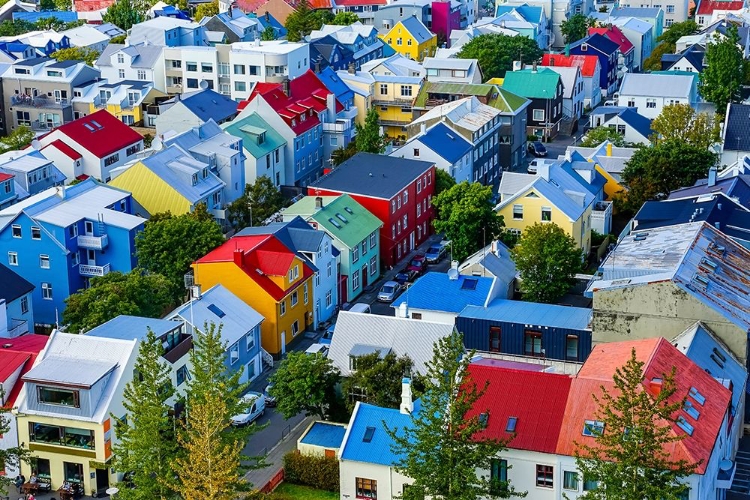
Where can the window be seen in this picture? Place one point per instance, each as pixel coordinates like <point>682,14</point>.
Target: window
<point>282,304</point>
<point>544,475</point>
<point>182,375</point>
<point>121,73</point>
<point>239,69</point>
<point>47,291</point>
<point>355,253</point>
<point>207,68</point>
<point>295,328</point>
<point>697,396</point>
<point>383,89</point>
<point>329,269</point>
<point>141,74</point>
<point>373,240</point>
<point>334,141</point>
<point>366,488</point>
<point>570,480</point>
<point>592,428</point>
<point>234,353</point>
<point>293,273</point>
<point>60,397</point>
<point>295,298</point>
<point>405,220</point>
<point>329,298</point>
<point>16,230</point>
<point>12,258</point>
<point>517,212</point>
<point>355,280</point>
<point>240,86</point>
<point>36,233</point>
<point>546,214</point>
<point>120,59</point>
<point>405,90</point>
<point>393,209</point>
<point>24,305</point>
<point>571,347</point>
<point>73,472</point>
<point>538,115</point>
<point>498,475</point>
<point>533,343</point>
<point>111,160</point>
<point>650,103</point>
<point>44,261</point>
<point>416,152</point>
<point>670,9</point>
<point>192,83</point>
<point>589,484</point>
<point>373,266</point>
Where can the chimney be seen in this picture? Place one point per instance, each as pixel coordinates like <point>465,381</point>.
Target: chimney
<point>609,149</point>
<point>60,191</point>
<point>257,41</point>
<point>712,176</point>
<point>542,170</point>
<point>195,292</point>
<point>318,202</point>
<point>533,67</point>
<point>403,310</point>
<point>285,86</point>
<point>423,128</point>
<point>331,106</point>
<point>239,258</point>
<point>352,70</point>
<point>655,385</point>
<point>317,66</point>
<point>407,405</point>
<point>268,16</point>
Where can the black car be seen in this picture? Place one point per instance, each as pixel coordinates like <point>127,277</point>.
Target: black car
<point>537,149</point>
<point>404,277</point>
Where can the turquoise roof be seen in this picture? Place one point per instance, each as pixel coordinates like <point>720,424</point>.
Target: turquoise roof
<point>248,130</point>
<point>539,84</point>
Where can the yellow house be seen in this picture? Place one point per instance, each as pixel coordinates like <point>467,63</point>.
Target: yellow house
<point>269,277</point>
<point>65,409</point>
<point>411,39</point>
<point>125,100</point>
<point>553,196</point>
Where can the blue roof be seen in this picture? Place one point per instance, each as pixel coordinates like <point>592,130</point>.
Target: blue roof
<point>600,42</point>
<point>324,435</point>
<point>640,123</point>
<point>437,292</point>
<point>266,20</point>
<point>206,104</point>
<point>133,327</point>
<point>330,79</point>
<point>65,16</point>
<point>528,12</point>
<point>516,311</point>
<point>417,29</point>
<point>446,142</point>
<point>378,449</point>
<point>735,187</point>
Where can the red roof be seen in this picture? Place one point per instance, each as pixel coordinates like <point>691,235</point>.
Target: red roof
<point>307,93</point>
<point>587,64</point>
<point>709,6</point>
<point>260,256</point>
<point>536,399</point>
<point>92,5</point>
<point>659,357</point>
<point>101,133</point>
<point>5,177</point>
<point>25,347</point>
<point>616,35</point>
<point>64,149</point>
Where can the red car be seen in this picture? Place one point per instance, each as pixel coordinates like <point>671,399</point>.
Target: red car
<point>418,264</point>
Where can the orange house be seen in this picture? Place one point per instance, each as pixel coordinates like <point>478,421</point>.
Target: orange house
<point>270,278</point>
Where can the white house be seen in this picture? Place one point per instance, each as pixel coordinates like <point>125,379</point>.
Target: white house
<point>87,36</point>
<point>650,92</point>
<point>573,90</point>
<point>144,62</point>
<point>634,127</point>
<point>263,147</point>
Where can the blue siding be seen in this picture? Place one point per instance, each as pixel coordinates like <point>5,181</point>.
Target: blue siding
<point>245,355</point>
<point>311,148</point>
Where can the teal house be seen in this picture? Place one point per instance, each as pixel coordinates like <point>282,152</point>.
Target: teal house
<point>263,148</point>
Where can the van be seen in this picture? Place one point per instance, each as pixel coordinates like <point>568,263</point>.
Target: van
<point>315,349</point>
<point>256,408</point>
<point>361,308</point>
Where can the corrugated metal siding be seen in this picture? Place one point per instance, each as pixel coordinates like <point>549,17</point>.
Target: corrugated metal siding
<point>477,336</point>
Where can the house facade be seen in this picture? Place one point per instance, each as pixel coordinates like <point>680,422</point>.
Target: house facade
<point>16,306</point>
<point>263,146</point>
<point>607,52</point>
<point>410,38</point>
<point>639,90</point>
<point>544,88</point>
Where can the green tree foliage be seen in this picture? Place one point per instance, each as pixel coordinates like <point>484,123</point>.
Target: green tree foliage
<point>302,22</point>
<point>305,383</point>
<point>124,14</point>
<point>576,27</point>
<point>206,10</point>
<point>547,258</point>
<point>596,136</point>
<point>46,5</point>
<point>63,5</point>
<point>369,138</point>
<point>682,123</point>
<point>85,54</point>
<point>631,458</point>
<point>17,139</point>
<point>259,202</point>
<point>9,456</point>
<point>145,437</point>
<point>118,39</point>
<point>496,53</point>
<point>340,155</point>
<point>653,61</point>
<point>345,18</point>
<point>668,43</point>
<point>651,173</point>
<point>15,28</point>
<point>378,380</point>
<point>268,34</point>
<point>442,449</point>
<point>466,215</point>
<point>443,181</point>
<point>169,244</point>
<point>113,294</point>
<point>720,82</point>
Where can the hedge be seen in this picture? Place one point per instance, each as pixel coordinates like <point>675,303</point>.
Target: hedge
<point>316,471</point>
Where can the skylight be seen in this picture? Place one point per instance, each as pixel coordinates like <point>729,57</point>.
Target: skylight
<point>700,279</point>
<point>214,309</point>
<point>349,210</point>
<point>89,127</point>
<point>719,355</point>
<point>708,265</point>
<point>691,410</point>
<point>333,221</point>
<point>369,432</point>
<point>511,426</point>
<point>469,284</point>
<point>697,396</point>
<point>593,427</point>
<point>96,124</point>
<point>342,218</point>
<point>684,425</point>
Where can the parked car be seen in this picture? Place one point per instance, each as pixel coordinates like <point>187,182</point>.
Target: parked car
<point>318,349</point>
<point>418,264</point>
<point>256,408</point>
<point>389,291</point>
<point>531,169</point>
<point>270,400</point>
<point>361,307</point>
<point>327,335</point>
<point>435,253</point>
<point>537,149</point>
<point>405,276</point>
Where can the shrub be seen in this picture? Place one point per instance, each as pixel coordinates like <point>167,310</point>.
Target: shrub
<point>319,472</point>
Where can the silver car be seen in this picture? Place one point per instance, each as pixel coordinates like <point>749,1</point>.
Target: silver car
<point>389,291</point>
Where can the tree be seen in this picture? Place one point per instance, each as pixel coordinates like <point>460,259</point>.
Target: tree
<point>268,34</point>
<point>496,53</point>
<point>720,81</point>
<point>340,155</point>
<point>124,14</point>
<point>651,173</point>
<point>443,181</point>
<point>682,123</point>
<point>305,383</point>
<point>17,139</point>
<point>441,451</point>
<point>169,244</point>
<point>145,437</point>
<point>113,294</point>
<point>118,39</point>
<point>631,459</point>
<point>378,380</point>
<point>466,215</point>
<point>63,5</point>
<point>9,456</point>
<point>653,61</point>
<point>547,258</point>
<point>206,10</point>
<point>259,202</point>
<point>15,28</point>
<point>301,22</point>
<point>369,138</point>
<point>46,5</point>
<point>668,43</point>
<point>596,136</point>
<point>576,27</point>
<point>344,18</point>
<point>85,54</point>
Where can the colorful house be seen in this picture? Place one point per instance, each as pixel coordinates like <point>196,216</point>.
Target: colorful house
<point>269,277</point>
<point>263,146</point>
<point>610,161</point>
<point>544,88</point>
<point>16,308</point>
<point>607,52</point>
<point>126,100</point>
<point>410,38</point>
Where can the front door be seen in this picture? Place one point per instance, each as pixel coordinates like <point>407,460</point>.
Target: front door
<point>89,227</point>
<point>91,257</point>
<point>494,339</point>
<point>364,276</point>
<point>283,343</point>
<point>102,480</point>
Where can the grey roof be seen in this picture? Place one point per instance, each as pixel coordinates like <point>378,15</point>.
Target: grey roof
<point>145,56</point>
<point>568,77</point>
<point>513,182</point>
<point>373,175</point>
<point>652,12</point>
<point>737,128</point>
<point>414,338</point>
<point>133,327</point>
<point>657,85</point>
<point>63,64</point>
<point>62,370</point>
<point>497,262</point>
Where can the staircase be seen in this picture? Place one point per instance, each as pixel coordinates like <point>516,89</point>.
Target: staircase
<point>741,483</point>
<point>267,358</point>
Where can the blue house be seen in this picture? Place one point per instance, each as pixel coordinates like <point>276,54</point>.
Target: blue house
<point>527,329</point>
<point>8,194</point>
<point>267,20</point>
<point>239,323</point>
<point>16,310</point>
<point>32,172</point>
<point>61,238</point>
<point>606,51</point>
<point>341,90</point>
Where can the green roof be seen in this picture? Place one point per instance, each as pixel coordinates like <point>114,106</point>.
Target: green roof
<point>360,222</point>
<point>505,100</point>
<point>249,129</point>
<point>540,84</point>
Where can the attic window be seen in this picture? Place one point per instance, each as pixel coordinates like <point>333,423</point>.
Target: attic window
<point>708,265</point>
<point>342,218</point>
<point>593,428</point>
<point>697,396</point>
<point>195,179</point>
<point>214,309</point>
<point>684,425</point>
<point>205,173</point>
<point>469,284</point>
<point>333,221</point>
<point>639,236</point>
<point>349,210</point>
<point>96,124</point>
<point>691,410</point>
<point>511,426</point>
<point>369,432</point>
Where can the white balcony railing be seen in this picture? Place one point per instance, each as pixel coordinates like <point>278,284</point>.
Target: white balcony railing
<point>19,327</point>
<point>93,242</point>
<point>601,217</point>
<point>95,271</point>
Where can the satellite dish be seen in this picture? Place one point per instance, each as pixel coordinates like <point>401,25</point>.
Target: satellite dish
<point>156,144</point>
<point>35,145</point>
<point>204,84</point>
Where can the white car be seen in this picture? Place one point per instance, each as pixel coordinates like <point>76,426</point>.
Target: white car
<point>321,349</point>
<point>256,408</point>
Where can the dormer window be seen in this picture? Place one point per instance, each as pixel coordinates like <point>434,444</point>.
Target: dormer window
<point>195,179</point>
<point>302,117</point>
<point>57,74</point>
<point>205,173</point>
<point>59,397</point>
<point>261,138</point>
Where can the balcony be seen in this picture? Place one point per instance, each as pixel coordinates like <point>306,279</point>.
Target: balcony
<point>93,242</point>
<point>18,327</point>
<point>40,101</point>
<point>93,271</point>
<point>405,102</point>
<point>338,126</point>
<point>183,346</point>
<point>37,125</point>
<point>601,217</point>
<point>725,476</point>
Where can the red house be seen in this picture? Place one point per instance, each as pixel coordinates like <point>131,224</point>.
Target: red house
<point>397,191</point>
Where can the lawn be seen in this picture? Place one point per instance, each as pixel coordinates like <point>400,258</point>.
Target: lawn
<point>288,490</point>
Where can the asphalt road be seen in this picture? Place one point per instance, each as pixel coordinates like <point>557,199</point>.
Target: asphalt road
<point>385,309</point>
<point>262,441</point>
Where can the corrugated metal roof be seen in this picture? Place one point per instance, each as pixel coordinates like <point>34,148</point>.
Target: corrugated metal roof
<point>373,420</point>
<point>446,142</point>
<point>539,84</point>
<point>63,370</point>
<point>248,129</point>
<point>325,435</point>
<point>437,292</point>
<point>657,85</point>
<point>126,327</point>
<point>531,313</point>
